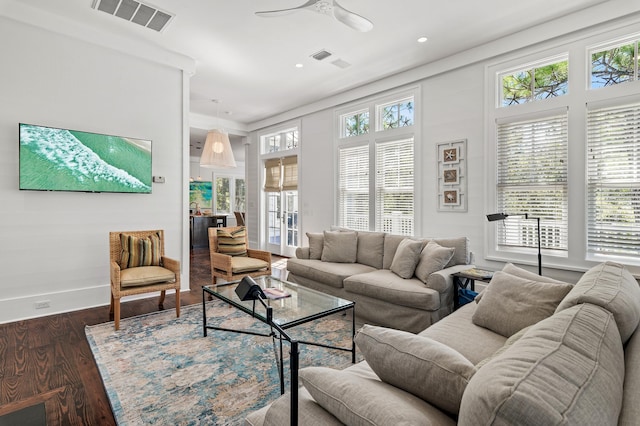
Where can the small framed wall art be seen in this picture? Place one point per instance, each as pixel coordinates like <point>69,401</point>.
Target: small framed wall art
<point>452,176</point>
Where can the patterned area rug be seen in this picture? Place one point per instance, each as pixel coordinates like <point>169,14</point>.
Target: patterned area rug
<point>158,369</point>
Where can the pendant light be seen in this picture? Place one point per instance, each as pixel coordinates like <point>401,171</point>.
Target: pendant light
<point>217,148</point>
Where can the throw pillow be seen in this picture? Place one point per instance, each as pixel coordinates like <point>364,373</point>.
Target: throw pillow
<point>137,251</point>
<point>511,303</point>
<point>359,401</point>
<point>316,242</point>
<point>433,258</point>
<point>340,247</point>
<point>232,243</point>
<point>512,269</point>
<point>415,363</point>
<point>406,258</point>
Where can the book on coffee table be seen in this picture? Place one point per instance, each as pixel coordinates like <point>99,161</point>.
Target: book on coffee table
<point>275,293</point>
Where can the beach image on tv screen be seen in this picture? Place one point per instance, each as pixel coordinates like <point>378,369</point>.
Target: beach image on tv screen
<point>67,160</point>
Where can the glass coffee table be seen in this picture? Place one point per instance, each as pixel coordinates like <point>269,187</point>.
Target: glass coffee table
<point>301,306</point>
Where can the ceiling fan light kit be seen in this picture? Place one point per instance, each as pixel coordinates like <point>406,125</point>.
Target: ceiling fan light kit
<point>330,8</point>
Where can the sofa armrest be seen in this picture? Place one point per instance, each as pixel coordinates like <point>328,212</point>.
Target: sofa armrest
<point>442,280</point>
<point>260,254</point>
<point>302,253</point>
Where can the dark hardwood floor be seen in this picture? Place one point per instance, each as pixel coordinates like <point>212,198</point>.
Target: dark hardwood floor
<point>48,360</point>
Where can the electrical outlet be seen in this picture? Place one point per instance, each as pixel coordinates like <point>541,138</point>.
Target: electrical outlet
<point>158,179</point>
<point>43,304</point>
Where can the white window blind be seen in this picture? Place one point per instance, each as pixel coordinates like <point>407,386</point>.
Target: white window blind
<point>532,179</point>
<point>353,187</point>
<point>613,178</point>
<point>394,187</point>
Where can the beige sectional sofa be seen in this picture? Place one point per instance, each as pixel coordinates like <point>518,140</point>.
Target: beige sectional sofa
<point>532,351</point>
<point>397,282</point>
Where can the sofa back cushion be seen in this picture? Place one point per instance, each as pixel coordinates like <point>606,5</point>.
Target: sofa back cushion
<point>567,369</point>
<point>611,286</point>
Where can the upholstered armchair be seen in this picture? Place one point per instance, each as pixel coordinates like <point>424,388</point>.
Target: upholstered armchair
<point>231,257</point>
<point>138,265</point>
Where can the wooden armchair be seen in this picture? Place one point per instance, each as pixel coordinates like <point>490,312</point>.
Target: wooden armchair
<point>138,265</point>
<point>229,267</point>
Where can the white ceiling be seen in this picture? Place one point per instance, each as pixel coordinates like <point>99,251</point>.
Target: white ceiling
<point>248,62</point>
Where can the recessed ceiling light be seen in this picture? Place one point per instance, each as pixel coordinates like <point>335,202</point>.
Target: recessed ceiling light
<point>299,65</point>
<point>422,39</point>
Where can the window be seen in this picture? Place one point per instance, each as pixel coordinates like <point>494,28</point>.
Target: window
<point>613,178</point>
<point>396,114</point>
<point>532,179</point>
<point>229,194</point>
<point>394,187</point>
<point>541,81</point>
<point>353,187</point>
<point>281,141</point>
<point>614,64</point>
<point>376,182</point>
<point>354,123</point>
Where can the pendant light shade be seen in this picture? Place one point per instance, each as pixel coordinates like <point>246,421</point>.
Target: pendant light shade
<point>217,151</point>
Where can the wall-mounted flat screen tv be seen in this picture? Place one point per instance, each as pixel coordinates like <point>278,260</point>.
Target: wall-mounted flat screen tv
<point>54,159</point>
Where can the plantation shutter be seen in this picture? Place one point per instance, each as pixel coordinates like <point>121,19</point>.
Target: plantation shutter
<point>290,173</point>
<point>353,187</point>
<point>532,179</point>
<point>272,175</point>
<point>394,187</point>
<point>613,180</point>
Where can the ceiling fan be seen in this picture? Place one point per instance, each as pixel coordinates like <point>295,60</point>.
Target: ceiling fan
<point>330,8</point>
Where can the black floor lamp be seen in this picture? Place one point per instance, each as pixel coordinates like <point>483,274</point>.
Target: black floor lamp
<point>502,216</point>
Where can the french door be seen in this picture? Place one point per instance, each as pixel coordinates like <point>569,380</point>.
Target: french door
<point>282,222</point>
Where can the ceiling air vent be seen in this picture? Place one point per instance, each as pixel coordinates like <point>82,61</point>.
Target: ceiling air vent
<point>323,54</point>
<point>134,11</point>
<point>340,63</point>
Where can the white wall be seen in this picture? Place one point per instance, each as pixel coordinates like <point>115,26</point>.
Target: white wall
<point>54,245</point>
<point>453,107</point>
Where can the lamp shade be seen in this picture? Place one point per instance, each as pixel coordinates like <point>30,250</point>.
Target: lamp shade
<point>217,151</point>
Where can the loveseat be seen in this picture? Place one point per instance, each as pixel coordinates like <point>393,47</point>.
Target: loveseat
<point>532,351</point>
<point>396,281</point>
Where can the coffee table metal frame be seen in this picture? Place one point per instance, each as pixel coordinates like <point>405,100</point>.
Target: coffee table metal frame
<point>278,327</point>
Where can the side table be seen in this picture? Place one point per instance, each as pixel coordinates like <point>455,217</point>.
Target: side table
<point>467,280</point>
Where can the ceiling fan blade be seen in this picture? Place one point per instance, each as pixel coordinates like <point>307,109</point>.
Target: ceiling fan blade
<point>351,19</point>
<point>280,12</point>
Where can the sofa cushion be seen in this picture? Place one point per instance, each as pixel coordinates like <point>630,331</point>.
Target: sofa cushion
<point>358,401</point>
<point>461,255</point>
<point>567,369</point>
<point>340,247</point>
<point>415,363</point>
<point>241,264</point>
<point>391,243</point>
<point>232,243</point>
<point>329,273</point>
<point>512,269</point>
<point>458,332</point>
<point>370,248</point>
<point>433,258</point>
<point>630,412</point>
<point>511,303</point>
<point>145,275</point>
<point>316,243</point>
<point>611,286</point>
<point>137,251</point>
<point>406,258</point>
<point>385,285</point>
<point>309,412</point>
